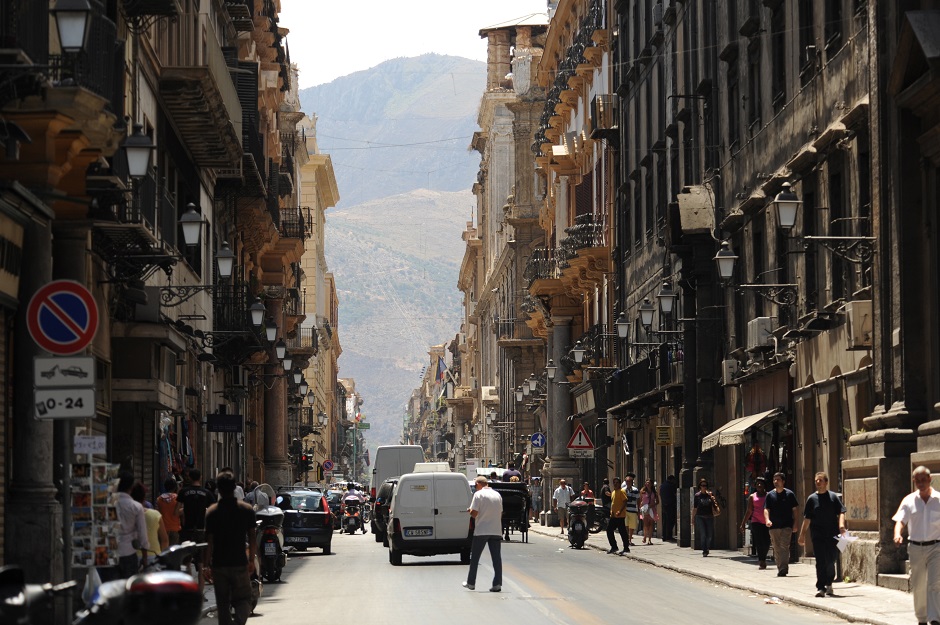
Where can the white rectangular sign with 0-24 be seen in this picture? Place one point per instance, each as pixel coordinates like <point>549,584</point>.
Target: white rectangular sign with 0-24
<point>64,371</point>
<point>64,403</point>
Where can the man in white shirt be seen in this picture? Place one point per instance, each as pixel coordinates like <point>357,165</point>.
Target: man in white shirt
<point>132,534</point>
<point>561,499</point>
<point>486,508</point>
<point>920,512</point>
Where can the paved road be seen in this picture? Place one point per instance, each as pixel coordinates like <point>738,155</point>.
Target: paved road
<point>543,581</point>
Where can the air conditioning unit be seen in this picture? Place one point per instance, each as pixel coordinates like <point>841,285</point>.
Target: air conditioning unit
<point>489,392</point>
<point>729,370</point>
<point>858,322</point>
<point>604,116</point>
<point>760,333</point>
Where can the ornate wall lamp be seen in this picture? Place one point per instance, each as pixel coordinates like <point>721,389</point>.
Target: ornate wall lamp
<point>855,249</point>
<point>779,294</point>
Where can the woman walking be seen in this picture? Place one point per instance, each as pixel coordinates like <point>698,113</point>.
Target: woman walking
<point>704,510</point>
<point>649,502</point>
<point>760,534</point>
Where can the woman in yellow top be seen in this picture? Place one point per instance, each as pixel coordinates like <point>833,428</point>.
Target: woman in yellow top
<point>156,530</point>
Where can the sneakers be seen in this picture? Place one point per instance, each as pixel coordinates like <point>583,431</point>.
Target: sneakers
<point>820,593</point>
<point>468,586</point>
<point>626,550</point>
<point>829,591</point>
<point>496,588</point>
<point>612,550</point>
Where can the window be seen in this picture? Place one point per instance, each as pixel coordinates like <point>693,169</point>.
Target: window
<point>661,194</point>
<point>778,60</point>
<point>754,99</point>
<point>734,103</point>
<point>833,30</point>
<point>761,274</point>
<point>810,212</point>
<point>837,223</point>
<point>650,201</point>
<point>807,40</point>
<point>637,214</point>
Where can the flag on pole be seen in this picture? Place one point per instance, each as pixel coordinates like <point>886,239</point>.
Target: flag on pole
<point>441,368</point>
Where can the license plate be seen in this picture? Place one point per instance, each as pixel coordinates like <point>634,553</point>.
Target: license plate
<point>578,527</point>
<point>419,532</point>
<point>270,549</point>
<point>294,539</point>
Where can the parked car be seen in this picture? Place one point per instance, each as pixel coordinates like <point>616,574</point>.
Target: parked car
<point>308,521</point>
<point>428,516</point>
<point>380,507</point>
<point>334,498</point>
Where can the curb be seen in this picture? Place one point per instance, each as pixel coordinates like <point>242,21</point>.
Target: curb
<point>831,609</point>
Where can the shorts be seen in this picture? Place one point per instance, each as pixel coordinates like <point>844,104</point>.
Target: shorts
<point>562,514</point>
<point>631,520</point>
<point>197,536</point>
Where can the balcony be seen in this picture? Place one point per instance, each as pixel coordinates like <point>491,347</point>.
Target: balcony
<point>584,256</point>
<point>304,343</point>
<point>198,91</point>
<point>240,11</point>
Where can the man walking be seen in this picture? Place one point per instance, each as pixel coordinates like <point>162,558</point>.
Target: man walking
<point>561,499</point>
<point>192,502</point>
<point>132,534</point>
<point>486,508</point>
<point>920,512</point>
<point>824,516</point>
<point>618,514</point>
<point>669,501</point>
<point>230,523</point>
<point>780,517</point>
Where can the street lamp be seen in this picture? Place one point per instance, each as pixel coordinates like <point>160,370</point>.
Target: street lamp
<point>533,382</point>
<point>321,418</point>
<point>578,352</point>
<point>646,314</point>
<point>191,223</point>
<point>518,393</point>
<point>787,204</point>
<point>137,150</point>
<point>287,362</point>
<point>725,259</point>
<point>623,326</point>
<point>304,387</point>
<point>667,298</point>
<point>280,349</point>
<point>257,311</point>
<point>551,369</point>
<point>72,21</point>
<point>311,399</point>
<point>298,376</point>
<point>270,330</point>
<point>225,259</point>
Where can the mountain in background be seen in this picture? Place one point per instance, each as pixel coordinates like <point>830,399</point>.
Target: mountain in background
<point>403,125</point>
<point>397,135</point>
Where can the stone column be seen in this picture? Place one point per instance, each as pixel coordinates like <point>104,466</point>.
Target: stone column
<point>277,469</point>
<point>558,464</point>
<point>33,516</point>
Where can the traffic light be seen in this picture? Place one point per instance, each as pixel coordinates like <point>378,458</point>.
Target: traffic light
<point>319,472</point>
<point>304,463</point>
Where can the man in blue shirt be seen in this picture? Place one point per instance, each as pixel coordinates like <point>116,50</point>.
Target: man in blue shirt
<point>780,516</point>
<point>824,516</point>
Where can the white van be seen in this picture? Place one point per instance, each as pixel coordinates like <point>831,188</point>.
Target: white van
<point>429,516</point>
<point>393,461</point>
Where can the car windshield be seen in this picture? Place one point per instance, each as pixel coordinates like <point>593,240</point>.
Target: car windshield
<point>334,496</point>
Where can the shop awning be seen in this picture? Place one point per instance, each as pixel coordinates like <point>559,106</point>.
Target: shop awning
<point>732,432</point>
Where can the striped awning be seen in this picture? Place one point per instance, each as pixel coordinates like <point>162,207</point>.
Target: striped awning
<point>732,432</point>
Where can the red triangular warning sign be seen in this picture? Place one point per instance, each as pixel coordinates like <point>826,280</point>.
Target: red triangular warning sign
<point>580,439</point>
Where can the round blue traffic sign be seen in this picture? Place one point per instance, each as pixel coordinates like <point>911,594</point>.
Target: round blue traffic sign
<point>538,440</point>
<point>327,465</point>
<point>62,317</point>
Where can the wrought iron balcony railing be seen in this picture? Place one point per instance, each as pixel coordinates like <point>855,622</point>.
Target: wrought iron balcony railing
<point>295,223</point>
<point>541,265</point>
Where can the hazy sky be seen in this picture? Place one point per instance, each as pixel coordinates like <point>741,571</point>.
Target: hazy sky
<point>332,38</point>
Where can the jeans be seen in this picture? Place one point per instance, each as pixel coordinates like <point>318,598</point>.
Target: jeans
<point>616,524</point>
<point>668,521</point>
<point>232,590</point>
<point>760,537</point>
<point>925,581</point>
<point>705,530</point>
<point>781,541</point>
<point>826,553</point>
<point>495,543</point>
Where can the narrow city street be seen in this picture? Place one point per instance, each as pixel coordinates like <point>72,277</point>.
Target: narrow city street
<point>543,581</point>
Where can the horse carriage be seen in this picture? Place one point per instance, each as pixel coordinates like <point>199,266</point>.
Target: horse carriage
<point>516,504</point>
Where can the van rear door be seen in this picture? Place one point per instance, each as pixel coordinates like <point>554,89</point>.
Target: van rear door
<point>451,500</point>
<point>414,506</point>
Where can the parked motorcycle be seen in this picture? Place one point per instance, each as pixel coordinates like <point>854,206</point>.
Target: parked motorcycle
<point>598,518</point>
<point>578,523</point>
<point>270,537</point>
<point>23,603</point>
<point>352,516</point>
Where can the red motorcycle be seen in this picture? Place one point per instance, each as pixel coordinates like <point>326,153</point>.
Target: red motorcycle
<point>352,516</point>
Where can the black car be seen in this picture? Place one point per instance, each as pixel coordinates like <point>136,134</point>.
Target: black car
<point>335,499</point>
<point>383,499</point>
<point>308,521</point>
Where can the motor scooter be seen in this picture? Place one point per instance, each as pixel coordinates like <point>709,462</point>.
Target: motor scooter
<point>598,517</point>
<point>352,516</point>
<point>577,522</point>
<point>270,537</point>
<point>24,603</point>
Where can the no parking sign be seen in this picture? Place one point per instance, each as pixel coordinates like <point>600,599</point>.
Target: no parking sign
<point>62,317</point>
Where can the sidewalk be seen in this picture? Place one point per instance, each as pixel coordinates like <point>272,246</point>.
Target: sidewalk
<point>854,601</point>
